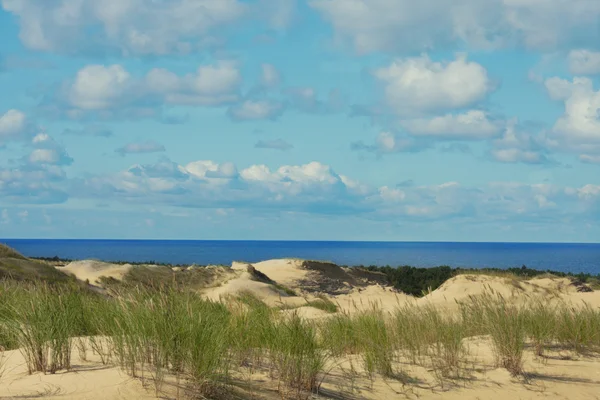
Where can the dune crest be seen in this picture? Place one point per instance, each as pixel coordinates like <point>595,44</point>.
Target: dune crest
<point>92,271</point>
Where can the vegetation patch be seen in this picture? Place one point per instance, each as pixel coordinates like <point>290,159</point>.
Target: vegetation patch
<point>420,281</point>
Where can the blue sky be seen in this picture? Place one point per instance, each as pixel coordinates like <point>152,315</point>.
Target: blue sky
<point>476,120</point>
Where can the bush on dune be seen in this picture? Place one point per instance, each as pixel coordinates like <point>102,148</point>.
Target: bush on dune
<point>419,281</point>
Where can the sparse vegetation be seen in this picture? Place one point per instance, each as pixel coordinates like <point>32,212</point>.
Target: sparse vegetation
<point>322,302</point>
<point>420,281</point>
<point>154,327</point>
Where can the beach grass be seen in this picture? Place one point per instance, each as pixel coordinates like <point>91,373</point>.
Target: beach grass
<point>154,332</point>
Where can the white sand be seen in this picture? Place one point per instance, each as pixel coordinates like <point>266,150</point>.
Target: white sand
<point>93,270</point>
<point>88,380</point>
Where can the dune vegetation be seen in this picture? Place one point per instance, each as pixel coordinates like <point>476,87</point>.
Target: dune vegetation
<point>174,337</point>
<point>293,329</point>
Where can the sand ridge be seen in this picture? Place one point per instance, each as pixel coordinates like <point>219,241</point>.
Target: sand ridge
<point>92,271</point>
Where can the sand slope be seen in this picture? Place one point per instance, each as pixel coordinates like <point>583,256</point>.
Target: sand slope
<point>89,380</point>
<point>93,270</point>
<point>554,289</point>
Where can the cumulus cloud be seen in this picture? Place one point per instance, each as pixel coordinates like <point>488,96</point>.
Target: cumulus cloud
<point>129,27</point>
<point>516,146</point>
<point>140,148</point>
<point>472,125</point>
<point>422,86</point>
<point>400,25</point>
<point>256,110</point>
<point>318,189</point>
<point>110,91</point>
<point>208,184</point>
<point>46,151</point>
<point>276,144</point>
<point>314,188</point>
<point>578,129</point>
<point>13,125</point>
<point>584,62</point>
<point>45,184</point>
<point>97,87</point>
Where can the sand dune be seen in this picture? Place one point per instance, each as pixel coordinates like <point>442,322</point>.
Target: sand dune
<point>290,284</point>
<point>461,287</point>
<point>90,270</point>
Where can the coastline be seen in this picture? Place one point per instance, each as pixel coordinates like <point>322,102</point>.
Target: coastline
<point>564,257</point>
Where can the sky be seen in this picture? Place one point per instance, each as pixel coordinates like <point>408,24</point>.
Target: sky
<point>399,120</point>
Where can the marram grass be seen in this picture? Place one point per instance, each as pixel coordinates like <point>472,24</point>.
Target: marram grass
<point>155,332</point>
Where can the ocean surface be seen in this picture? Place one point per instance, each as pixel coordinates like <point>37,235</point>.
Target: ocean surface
<point>566,257</point>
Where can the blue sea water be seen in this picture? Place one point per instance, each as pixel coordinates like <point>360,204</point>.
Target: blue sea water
<point>566,257</point>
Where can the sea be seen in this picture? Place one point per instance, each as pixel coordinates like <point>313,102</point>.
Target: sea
<point>565,257</point>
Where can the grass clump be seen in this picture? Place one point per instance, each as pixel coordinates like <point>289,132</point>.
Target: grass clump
<point>42,320</point>
<point>285,289</point>
<point>505,323</point>
<point>367,334</point>
<point>252,328</point>
<point>578,329</point>
<point>339,336</point>
<point>540,324</point>
<point>427,337</point>
<point>297,355</point>
<point>323,303</point>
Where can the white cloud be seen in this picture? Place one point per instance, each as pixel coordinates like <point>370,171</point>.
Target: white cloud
<point>111,90</point>
<point>130,27</point>
<point>584,62</point>
<point>38,184</point>
<point>47,152</point>
<point>141,148</point>
<point>13,125</point>
<point>206,169</point>
<point>517,146</point>
<point>313,187</point>
<point>517,155</point>
<point>420,85</point>
<point>98,87</point>
<point>589,191</point>
<point>396,25</point>
<point>578,129</point>
<point>391,195</point>
<point>472,125</point>
<point>138,27</point>
<point>256,110</point>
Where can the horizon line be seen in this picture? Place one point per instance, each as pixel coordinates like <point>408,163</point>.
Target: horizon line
<point>295,240</point>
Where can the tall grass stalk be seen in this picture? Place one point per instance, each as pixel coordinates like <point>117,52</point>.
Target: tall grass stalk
<point>504,322</point>
<point>42,320</point>
<point>540,320</point>
<point>297,354</point>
